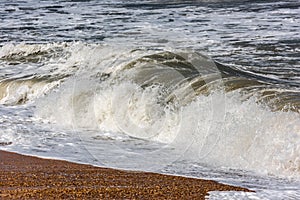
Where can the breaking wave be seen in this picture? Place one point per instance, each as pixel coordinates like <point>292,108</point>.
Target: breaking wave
<point>210,112</point>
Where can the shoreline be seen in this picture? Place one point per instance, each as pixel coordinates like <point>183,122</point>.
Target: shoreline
<point>30,177</point>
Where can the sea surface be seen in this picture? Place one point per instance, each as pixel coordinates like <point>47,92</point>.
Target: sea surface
<point>205,88</point>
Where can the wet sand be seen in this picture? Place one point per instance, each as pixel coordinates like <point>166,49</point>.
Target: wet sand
<point>26,177</point>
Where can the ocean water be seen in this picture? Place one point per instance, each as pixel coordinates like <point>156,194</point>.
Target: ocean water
<point>206,89</point>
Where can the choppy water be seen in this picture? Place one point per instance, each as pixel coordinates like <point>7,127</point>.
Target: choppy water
<point>206,89</point>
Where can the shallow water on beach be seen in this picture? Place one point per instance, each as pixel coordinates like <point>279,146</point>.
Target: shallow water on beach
<point>207,89</point>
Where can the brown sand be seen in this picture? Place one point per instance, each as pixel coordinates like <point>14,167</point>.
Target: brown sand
<point>26,177</point>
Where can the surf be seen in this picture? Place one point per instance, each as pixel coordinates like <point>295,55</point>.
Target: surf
<point>195,107</point>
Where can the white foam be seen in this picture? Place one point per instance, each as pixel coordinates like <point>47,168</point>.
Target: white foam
<point>258,195</point>
<point>20,91</point>
<point>218,129</point>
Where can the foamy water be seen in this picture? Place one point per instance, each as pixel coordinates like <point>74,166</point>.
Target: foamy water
<point>141,86</point>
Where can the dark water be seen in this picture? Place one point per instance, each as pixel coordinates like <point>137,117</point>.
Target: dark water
<point>255,33</point>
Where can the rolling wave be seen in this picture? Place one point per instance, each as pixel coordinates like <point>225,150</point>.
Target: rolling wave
<point>214,113</point>
<point>186,73</point>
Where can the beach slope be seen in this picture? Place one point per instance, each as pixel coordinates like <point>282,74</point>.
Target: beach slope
<point>27,177</point>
